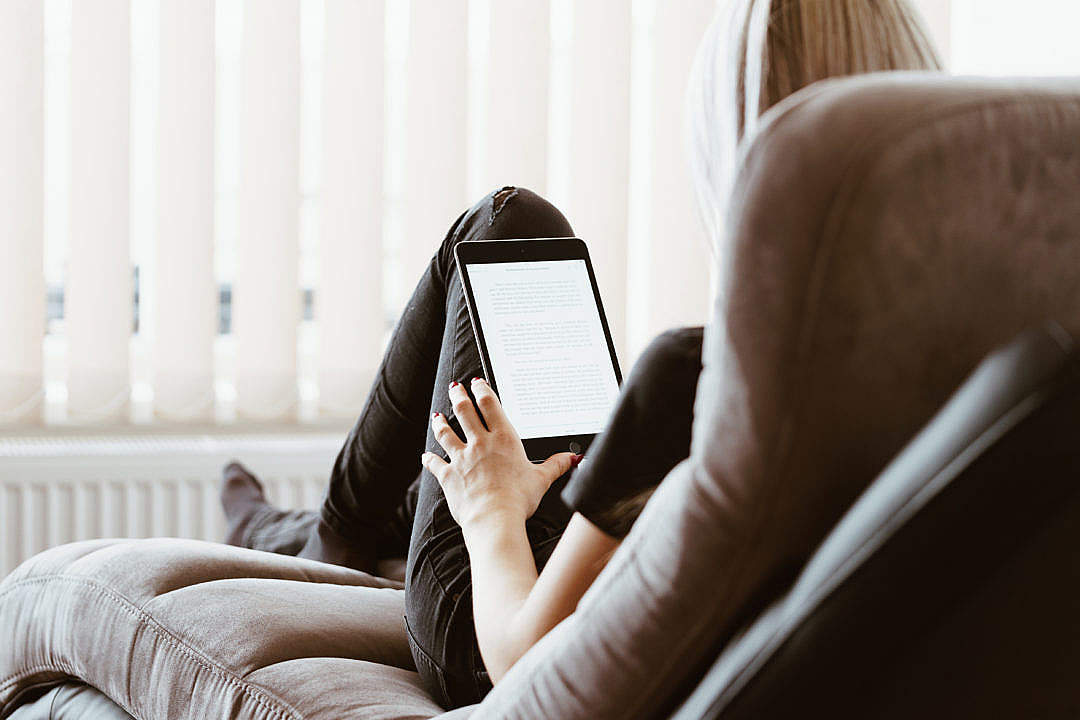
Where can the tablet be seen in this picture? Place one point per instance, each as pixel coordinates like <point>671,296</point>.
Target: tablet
<point>543,338</point>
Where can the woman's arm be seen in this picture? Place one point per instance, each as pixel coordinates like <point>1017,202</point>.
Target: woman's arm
<point>513,608</point>
<point>492,488</point>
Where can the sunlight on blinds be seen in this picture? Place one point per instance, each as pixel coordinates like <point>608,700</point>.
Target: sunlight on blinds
<point>181,294</point>
<point>266,306</point>
<point>98,300</point>
<point>237,196</point>
<point>349,296</point>
<point>22,280</point>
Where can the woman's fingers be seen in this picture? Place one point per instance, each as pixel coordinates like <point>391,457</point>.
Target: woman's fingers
<point>465,412</point>
<point>435,465</point>
<point>494,415</point>
<point>445,434</point>
<point>556,465</point>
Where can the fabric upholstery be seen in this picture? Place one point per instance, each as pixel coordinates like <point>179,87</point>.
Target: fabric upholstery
<point>175,629</point>
<point>942,587</point>
<point>887,233</point>
<point>71,701</point>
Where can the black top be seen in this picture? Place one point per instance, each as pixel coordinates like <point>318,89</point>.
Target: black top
<point>647,436</point>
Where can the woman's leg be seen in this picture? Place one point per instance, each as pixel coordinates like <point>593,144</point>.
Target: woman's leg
<point>253,522</point>
<point>438,586</point>
<point>366,513</point>
<point>380,456</point>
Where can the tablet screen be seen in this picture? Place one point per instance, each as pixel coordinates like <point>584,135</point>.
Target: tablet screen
<point>548,350</point>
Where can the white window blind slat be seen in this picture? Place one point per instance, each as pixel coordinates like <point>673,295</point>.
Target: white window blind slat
<point>599,147</point>
<point>99,286</point>
<point>518,69</point>
<point>435,138</point>
<point>349,299</point>
<point>266,298</point>
<point>669,271</point>
<point>185,295</point>
<point>22,283</point>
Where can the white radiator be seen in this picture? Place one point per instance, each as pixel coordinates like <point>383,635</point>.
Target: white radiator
<point>59,489</point>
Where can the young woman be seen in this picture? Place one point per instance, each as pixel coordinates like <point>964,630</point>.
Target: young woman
<point>499,550</point>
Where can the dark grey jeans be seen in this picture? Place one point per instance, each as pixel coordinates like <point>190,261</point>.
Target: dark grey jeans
<point>379,503</point>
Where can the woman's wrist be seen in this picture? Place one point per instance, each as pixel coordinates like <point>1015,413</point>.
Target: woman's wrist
<point>488,526</point>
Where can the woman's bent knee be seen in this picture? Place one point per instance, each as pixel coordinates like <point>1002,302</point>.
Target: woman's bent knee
<point>507,213</point>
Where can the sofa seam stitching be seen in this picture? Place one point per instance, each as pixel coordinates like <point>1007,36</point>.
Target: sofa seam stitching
<point>146,620</point>
<point>189,654</point>
<point>66,669</point>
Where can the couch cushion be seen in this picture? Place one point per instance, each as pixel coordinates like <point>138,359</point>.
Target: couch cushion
<point>174,629</point>
<point>71,701</point>
<point>887,233</point>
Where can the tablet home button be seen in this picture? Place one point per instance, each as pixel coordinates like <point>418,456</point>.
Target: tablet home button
<point>575,448</point>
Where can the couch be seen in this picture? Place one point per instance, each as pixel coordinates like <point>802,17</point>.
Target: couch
<point>887,234</point>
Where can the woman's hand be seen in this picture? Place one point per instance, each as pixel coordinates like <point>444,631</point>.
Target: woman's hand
<point>489,475</point>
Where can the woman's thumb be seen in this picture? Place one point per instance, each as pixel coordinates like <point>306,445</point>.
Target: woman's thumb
<point>556,465</point>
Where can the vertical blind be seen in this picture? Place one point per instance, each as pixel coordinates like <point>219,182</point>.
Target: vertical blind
<point>264,302</point>
<point>261,288</point>
<point>421,106</point>
<point>22,280</point>
<point>99,286</point>
<point>350,299</point>
<point>182,349</point>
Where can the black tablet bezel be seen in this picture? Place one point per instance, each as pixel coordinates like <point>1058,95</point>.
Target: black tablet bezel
<point>477,252</point>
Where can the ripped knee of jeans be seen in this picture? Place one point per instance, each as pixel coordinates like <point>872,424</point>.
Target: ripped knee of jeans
<point>499,201</point>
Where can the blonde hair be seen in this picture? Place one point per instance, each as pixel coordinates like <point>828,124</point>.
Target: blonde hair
<point>758,52</point>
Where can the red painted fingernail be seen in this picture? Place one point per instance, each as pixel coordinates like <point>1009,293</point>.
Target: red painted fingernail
<point>454,384</point>
<point>574,461</point>
<point>435,415</point>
